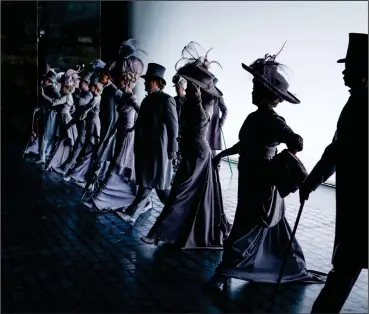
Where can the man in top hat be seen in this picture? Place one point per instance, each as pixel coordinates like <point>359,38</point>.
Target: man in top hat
<point>80,101</point>
<point>48,115</point>
<point>97,66</point>
<point>155,143</point>
<point>347,155</point>
<point>214,135</point>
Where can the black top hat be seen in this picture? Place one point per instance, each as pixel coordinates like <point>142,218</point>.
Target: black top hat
<point>87,77</point>
<point>198,75</point>
<point>51,75</point>
<point>357,50</point>
<point>155,70</point>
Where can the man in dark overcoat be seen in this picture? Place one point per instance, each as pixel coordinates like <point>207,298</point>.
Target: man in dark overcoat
<point>155,143</point>
<point>347,155</point>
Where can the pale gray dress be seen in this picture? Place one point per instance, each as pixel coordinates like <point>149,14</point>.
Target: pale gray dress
<point>119,187</point>
<point>65,138</point>
<point>79,172</point>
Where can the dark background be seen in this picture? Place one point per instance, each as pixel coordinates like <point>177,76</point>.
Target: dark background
<point>106,24</point>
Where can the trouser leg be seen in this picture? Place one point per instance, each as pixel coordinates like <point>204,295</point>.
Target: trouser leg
<point>336,290</point>
<point>138,205</point>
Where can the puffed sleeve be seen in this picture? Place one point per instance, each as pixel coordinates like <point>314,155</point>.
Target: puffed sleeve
<point>293,141</point>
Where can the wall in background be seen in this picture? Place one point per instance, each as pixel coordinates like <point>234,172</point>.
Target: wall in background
<point>316,34</point>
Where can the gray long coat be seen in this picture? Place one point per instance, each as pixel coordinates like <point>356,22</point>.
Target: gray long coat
<point>348,156</point>
<point>156,132</point>
<point>214,135</point>
<point>108,118</point>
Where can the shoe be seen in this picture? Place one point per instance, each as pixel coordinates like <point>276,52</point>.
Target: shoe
<point>40,161</point>
<point>150,240</point>
<point>60,171</point>
<point>217,281</point>
<point>88,205</point>
<point>67,179</point>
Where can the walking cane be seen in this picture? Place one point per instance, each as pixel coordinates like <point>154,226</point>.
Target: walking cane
<point>225,146</point>
<point>287,254</point>
<point>32,131</point>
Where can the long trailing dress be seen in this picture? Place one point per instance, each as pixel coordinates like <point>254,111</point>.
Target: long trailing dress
<point>43,145</point>
<point>193,216</point>
<point>65,137</point>
<point>260,235</point>
<point>119,187</point>
<point>79,171</point>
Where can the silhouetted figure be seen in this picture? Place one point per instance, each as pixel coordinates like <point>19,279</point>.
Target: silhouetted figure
<point>48,117</point>
<point>155,143</point>
<point>193,216</point>
<point>347,155</point>
<point>260,234</point>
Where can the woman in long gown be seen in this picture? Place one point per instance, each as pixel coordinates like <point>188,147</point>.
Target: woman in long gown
<point>193,216</point>
<point>119,187</point>
<point>65,137</point>
<point>90,113</point>
<point>260,234</point>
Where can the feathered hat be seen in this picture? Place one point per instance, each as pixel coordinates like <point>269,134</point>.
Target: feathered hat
<point>195,68</point>
<point>194,52</point>
<point>128,62</point>
<point>71,77</point>
<point>269,72</point>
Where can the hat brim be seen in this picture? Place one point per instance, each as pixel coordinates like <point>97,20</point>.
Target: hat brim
<point>341,61</point>
<point>49,78</point>
<point>154,76</point>
<point>213,91</point>
<point>285,96</point>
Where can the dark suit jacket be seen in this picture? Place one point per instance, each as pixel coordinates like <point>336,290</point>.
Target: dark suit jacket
<point>348,156</point>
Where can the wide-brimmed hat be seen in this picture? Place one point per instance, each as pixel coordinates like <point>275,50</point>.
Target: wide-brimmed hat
<point>357,51</point>
<point>155,70</point>
<point>215,82</point>
<point>198,75</point>
<point>51,75</point>
<point>87,77</point>
<point>266,72</point>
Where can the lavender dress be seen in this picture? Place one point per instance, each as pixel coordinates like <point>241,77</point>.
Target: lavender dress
<point>65,138</point>
<point>119,188</point>
<point>193,216</point>
<point>85,158</point>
